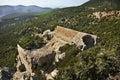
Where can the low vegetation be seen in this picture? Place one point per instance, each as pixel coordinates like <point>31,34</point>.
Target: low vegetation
<point>96,63</point>
<point>93,64</point>
<point>31,42</point>
<point>22,68</point>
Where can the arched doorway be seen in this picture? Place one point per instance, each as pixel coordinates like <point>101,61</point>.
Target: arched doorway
<point>88,41</point>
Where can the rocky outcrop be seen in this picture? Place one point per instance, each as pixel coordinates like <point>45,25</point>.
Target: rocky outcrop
<point>50,53</point>
<point>116,77</point>
<point>109,14</point>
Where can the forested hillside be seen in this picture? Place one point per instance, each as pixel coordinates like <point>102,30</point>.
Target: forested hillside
<point>98,17</point>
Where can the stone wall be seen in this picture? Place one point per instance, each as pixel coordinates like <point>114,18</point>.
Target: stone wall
<point>75,37</point>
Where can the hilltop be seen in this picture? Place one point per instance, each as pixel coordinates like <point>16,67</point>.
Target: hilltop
<point>49,53</point>
<point>96,17</point>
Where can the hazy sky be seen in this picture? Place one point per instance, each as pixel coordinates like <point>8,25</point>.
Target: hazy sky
<point>44,3</point>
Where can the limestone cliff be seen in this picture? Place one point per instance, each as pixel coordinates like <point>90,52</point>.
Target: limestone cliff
<point>50,52</point>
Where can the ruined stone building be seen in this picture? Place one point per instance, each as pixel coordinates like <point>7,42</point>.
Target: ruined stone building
<point>50,52</point>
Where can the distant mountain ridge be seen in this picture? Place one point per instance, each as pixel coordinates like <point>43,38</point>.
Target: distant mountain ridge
<point>6,9</point>
<point>103,4</point>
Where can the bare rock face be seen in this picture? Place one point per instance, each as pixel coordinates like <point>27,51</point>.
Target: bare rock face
<point>116,77</point>
<point>50,52</point>
<point>109,14</point>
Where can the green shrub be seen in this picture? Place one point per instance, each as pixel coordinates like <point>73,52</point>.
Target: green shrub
<point>70,52</point>
<point>22,68</point>
<point>93,64</point>
<point>39,75</point>
<point>31,42</point>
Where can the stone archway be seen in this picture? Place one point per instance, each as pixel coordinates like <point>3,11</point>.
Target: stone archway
<point>88,41</point>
